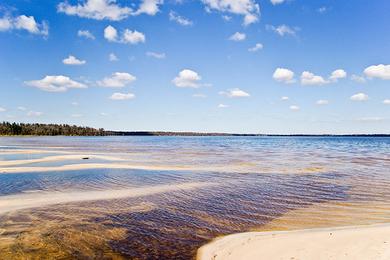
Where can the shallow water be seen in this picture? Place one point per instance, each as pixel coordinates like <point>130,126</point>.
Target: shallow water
<point>248,183</point>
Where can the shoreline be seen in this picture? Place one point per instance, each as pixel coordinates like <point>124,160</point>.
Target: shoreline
<point>348,242</point>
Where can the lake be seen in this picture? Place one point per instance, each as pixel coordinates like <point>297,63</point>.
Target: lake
<point>164,197</point>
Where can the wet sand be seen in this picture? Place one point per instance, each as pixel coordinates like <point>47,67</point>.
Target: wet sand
<point>347,243</point>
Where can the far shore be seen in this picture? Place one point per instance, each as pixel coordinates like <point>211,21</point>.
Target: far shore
<point>348,243</point>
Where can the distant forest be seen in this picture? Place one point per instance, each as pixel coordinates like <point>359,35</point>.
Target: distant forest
<point>7,128</point>
<point>11,129</point>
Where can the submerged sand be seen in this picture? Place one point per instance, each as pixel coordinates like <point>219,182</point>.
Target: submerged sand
<point>357,243</point>
<point>39,199</point>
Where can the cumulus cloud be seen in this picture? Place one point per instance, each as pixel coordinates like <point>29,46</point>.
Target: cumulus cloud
<point>128,36</point>
<point>23,22</point>
<point>237,37</point>
<point>156,55</point>
<point>308,78</point>
<point>358,79</point>
<point>2,109</point>
<point>234,93</point>
<point>222,106</point>
<point>117,80</point>
<point>248,8</point>
<point>338,74</point>
<point>386,102</point>
<point>96,9</point>
<point>322,102</point>
<point>150,7</point>
<point>187,79</point>
<point>108,9</point>
<point>276,2</point>
<point>283,75</point>
<point>86,34</point>
<point>179,19</point>
<point>122,96</point>
<point>55,83</point>
<point>284,98</point>
<point>21,108</point>
<point>294,108</point>
<point>257,47</point>
<point>282,30</point>
<point>112,57</point>
<point>380,71</point>
<point>72,60</point>
<point>359,97</point>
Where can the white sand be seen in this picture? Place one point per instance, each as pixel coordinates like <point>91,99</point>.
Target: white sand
<point>39,199</point>
<point>347,243</point>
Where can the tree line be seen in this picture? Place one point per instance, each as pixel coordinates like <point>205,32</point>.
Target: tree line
<point>7,128</point>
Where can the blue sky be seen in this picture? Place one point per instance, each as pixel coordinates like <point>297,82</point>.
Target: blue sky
<point>244,66</point>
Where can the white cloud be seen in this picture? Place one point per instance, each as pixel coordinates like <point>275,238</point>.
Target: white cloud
<point>179,19</point>
<point>110,33</point>
<point>322,102</point>
<point>294,108</point>
<point>222,106</point>
<point>23,22</point>
<point>117,80</point>
<point>238,37</point>
<point>359,97</point>
<point>284,98</point>
<point>284,75</point>
<point>283,29</point>
<point>386,101</point>
<point>86,34</point>
<point>308,78</point>
<point>2,109</point>
<point>187,79</point>
<point>133,37</point>
<point>74,104</point>
<point>226,18</point>
<point>378,71</point>
<point>108,9</point>
<point>122,96</point>
<point>103,114</point>
<point>96,9</point>
<point>55,83</point>
<point>370,119</point>
<point>276,2</point>
<point>112,57</point>
<point>21,108</point>
<point>76,115</point>
<point>34,113</point>
<point>156,55</point>
<point>72,60</point>
<point>338,74</point>
<point>248,8</point>
<point>150,7</point>
<point>322,9</point>
<point>234,93</point>
<point>128,36</point>
<point>358,79</point>
<point>257,47</point>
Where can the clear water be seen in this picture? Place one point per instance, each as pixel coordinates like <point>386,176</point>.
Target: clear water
<point>255,183</point>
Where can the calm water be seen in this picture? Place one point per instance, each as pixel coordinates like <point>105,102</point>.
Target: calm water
<point>244,183</point>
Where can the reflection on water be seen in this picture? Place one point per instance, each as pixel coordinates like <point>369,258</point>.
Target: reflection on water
<point>345,182</point>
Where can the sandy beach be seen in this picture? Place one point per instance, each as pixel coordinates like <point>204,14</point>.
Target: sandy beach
<point>347,243</point>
